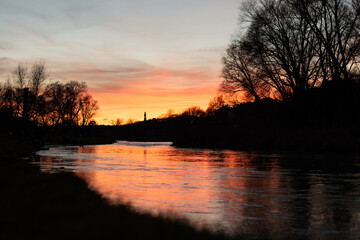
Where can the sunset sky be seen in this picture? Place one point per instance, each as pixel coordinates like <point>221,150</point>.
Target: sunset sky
<point>136,56</point>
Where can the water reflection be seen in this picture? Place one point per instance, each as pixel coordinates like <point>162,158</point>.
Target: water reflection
<point>260,195</point>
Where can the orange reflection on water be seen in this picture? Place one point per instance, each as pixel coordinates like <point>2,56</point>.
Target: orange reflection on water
<point>233,191</point>
<point>146,179</point>
<point>207,186</point>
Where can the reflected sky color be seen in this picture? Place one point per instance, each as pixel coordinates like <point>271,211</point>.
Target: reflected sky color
<point>247,193</point>
<point>135,55</point>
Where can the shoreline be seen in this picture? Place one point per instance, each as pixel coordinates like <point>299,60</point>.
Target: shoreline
<point>54,206</point>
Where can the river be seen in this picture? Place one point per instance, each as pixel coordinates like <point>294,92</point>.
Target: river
<point>281,195</point>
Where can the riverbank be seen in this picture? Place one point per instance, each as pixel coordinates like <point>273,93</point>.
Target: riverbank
<point>36,205</point>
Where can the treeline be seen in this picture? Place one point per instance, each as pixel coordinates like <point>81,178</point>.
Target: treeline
<point>327,120</point>
<point>191,111</point>
<point>28,95</point>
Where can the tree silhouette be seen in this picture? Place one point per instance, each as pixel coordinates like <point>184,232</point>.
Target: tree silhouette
<point>291,47</point>
<point>88,110</point>
<point>20,75</point>
<point>241,73</point>
<point>118,122</point>
<point>335,24</point>
<point>7,103</point>
<point>193,111</point>
<point>70,104</point>
<point>47,104</point>
<point>216,103</point>
<point>130,121</point>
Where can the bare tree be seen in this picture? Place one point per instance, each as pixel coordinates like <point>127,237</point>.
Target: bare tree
<point>7,102</point>
<point>117,122</point>
<point>20,75</point>
<point>54,94</point>
<point>89,107</point>
<point>69,104</point>
<point>336,25</point>
<point>73,96</point>
<point>38,75</point>
<point>170,113</point>
<point>36,81</point>
<point>293,46</point>
<point>216,103</point>
<point>241,73</point>
<point>130,121</point>
<point>194,111</point>
<point>280,41</point>
<point>52,104</point>
<point>18,83</point>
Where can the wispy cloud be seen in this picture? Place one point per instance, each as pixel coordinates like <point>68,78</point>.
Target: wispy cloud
<point>4,66</point>
<point>210,50</point>
<point>135,74</point>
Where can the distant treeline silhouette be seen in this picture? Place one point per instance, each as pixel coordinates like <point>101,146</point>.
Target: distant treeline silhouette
<point>326,120</point>
<point>27,95</point>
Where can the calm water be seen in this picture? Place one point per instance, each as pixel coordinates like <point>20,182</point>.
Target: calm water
<point>284,196</point>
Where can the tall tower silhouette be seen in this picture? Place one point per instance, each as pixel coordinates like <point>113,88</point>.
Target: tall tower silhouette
<point>144,116</point>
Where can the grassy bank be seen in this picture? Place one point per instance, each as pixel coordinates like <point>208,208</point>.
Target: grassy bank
<point>36,205</point>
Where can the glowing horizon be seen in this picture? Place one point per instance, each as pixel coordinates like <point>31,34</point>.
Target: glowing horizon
<point>135,56</point>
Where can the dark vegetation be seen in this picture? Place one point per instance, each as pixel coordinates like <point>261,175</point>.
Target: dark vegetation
<point>269,125</point>
<point>28,95</point>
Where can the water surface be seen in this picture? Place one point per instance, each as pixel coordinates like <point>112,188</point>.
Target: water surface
<point>284,196</point>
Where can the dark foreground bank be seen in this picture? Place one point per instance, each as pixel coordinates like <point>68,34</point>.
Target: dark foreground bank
<point>36,205</point>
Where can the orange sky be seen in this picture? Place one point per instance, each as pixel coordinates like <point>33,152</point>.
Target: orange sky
<point>154,93</point>
<point>135,56</point>
<point>132,103</point>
